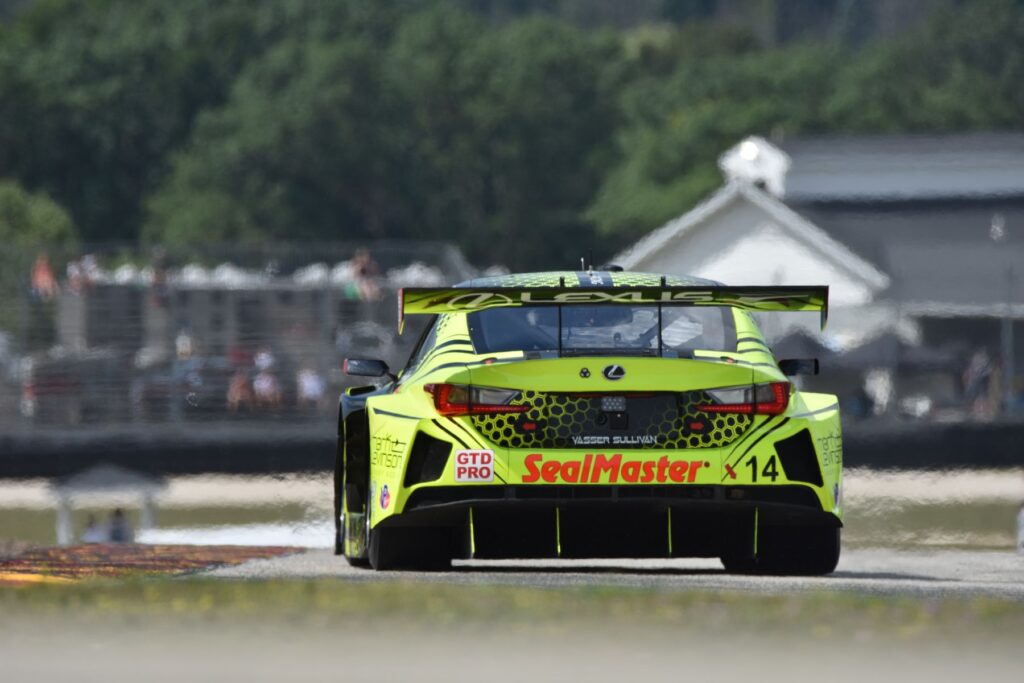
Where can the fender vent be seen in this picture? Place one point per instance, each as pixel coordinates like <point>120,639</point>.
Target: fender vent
<point>799,459</point>
<point>427,459</point>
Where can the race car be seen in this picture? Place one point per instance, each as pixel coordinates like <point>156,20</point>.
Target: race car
<point>591,414</point>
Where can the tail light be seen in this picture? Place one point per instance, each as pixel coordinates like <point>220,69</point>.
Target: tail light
<point>757,399</point>
<point>459,399</point>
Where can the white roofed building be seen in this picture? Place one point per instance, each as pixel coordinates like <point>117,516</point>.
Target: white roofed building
<point>919,238</point>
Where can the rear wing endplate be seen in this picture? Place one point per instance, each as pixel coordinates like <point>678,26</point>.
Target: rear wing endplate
<point>425,300</point>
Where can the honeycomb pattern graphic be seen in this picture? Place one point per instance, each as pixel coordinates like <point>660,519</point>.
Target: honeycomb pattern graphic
<point>560,417</point>
<point>548,279</point>
<point>651,280</point>
<point>553,278</point>
<point>444,321</point>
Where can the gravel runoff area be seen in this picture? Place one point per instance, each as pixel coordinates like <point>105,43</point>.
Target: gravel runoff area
<point>877,571</point>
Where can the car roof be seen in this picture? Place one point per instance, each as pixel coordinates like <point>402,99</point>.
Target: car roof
<point>599,278</point>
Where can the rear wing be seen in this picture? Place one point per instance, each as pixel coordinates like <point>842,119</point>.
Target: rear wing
<point>420,300</point>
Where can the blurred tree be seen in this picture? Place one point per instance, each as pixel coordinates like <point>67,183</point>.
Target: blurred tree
<point>541,121</point>
<point>491,138</point>
<point>29,220</point>
<point>95,94</point>
<point>676,126</point>
<point>303,149</point>
<point>962,71</point>
<point>502,126</point>
<point>30,224</point>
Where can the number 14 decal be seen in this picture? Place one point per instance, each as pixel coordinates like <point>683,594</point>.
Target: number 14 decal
<point>770,471</point>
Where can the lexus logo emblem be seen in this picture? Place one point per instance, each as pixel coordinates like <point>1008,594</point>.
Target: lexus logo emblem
<point>614,372</point>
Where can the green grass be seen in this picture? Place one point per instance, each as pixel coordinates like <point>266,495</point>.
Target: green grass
<point>975,525</point>
<point>38,526</point>
<point>817,615</point>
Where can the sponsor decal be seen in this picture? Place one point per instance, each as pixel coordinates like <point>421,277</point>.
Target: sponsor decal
<point>479,300</point>
<point>386,451</point>
<point>837,494</point>
<point>597,468</point>
<point>614,372</point>
<point>794,298</point>
<point>730,471</point>
<point>385,497</point>
<point>585,373</point>
<point>830,448</point>
<point>428,300</point>
<point>474,466</point>
<point>616,440</point>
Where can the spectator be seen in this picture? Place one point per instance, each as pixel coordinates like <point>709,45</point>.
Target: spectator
<point>44,284</point>
<point>239,356</point>
<point>240,392</point>
<point>976,378</point>
<point>1020,530</point>
<point>264,360</point>
<point>94,532</point>
<point>90,266</point>
<point>120,528</point>
<point>310,388</point>
<point>367,272</point>
<point>267,390</point>
<point>161,289</point>
<point>75,277</point>
<point>184,345</point>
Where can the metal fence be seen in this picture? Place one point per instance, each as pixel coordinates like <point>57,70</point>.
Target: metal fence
<point>120,335</point>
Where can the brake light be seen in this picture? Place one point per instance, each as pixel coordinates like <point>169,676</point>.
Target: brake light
<point>459,399</point>
<point>757,399</point>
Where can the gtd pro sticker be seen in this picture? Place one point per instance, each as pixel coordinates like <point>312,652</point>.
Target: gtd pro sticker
<point>474,466</point>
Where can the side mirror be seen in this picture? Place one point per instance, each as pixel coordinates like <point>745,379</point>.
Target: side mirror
<point>361,367</point>
<point>791,367</point>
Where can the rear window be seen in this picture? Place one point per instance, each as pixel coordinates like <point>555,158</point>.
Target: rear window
<point>604,329</point>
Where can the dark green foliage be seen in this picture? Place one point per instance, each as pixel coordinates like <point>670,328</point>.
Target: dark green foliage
<point>507,128</point>
<point>28,220</point>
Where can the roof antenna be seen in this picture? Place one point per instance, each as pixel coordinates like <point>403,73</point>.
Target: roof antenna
<point>583,265</point>
<point>590,258</point>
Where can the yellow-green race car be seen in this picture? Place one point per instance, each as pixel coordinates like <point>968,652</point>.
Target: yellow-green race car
<point>591,414</point>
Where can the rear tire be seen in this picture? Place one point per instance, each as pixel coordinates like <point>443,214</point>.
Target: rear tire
<point>739,565</point>
<point>339,501</point>
<point>351,443</point>
<point>416,548</point>
<point>797,551</point>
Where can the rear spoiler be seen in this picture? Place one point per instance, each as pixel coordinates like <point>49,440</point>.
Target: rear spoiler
<point>419,300</point>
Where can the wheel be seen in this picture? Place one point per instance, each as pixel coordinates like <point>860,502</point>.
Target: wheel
<point>361,559</point>
<point>803,551</point>
<point>418,548</point>
<point>339,500</point>
<point>735,564</point>
<point>347,499</point>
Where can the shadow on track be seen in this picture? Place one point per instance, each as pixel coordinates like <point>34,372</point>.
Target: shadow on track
<point>588,569</point>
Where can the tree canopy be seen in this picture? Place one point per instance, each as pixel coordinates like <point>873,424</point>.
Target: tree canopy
<point>528,139</point>
<point>30,219</point>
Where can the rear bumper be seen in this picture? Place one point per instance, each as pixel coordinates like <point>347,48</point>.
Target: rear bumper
<point>797,499</point>
<point>661,521</point>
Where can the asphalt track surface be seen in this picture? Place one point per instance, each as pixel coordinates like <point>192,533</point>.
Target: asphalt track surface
<point>878,571</point>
